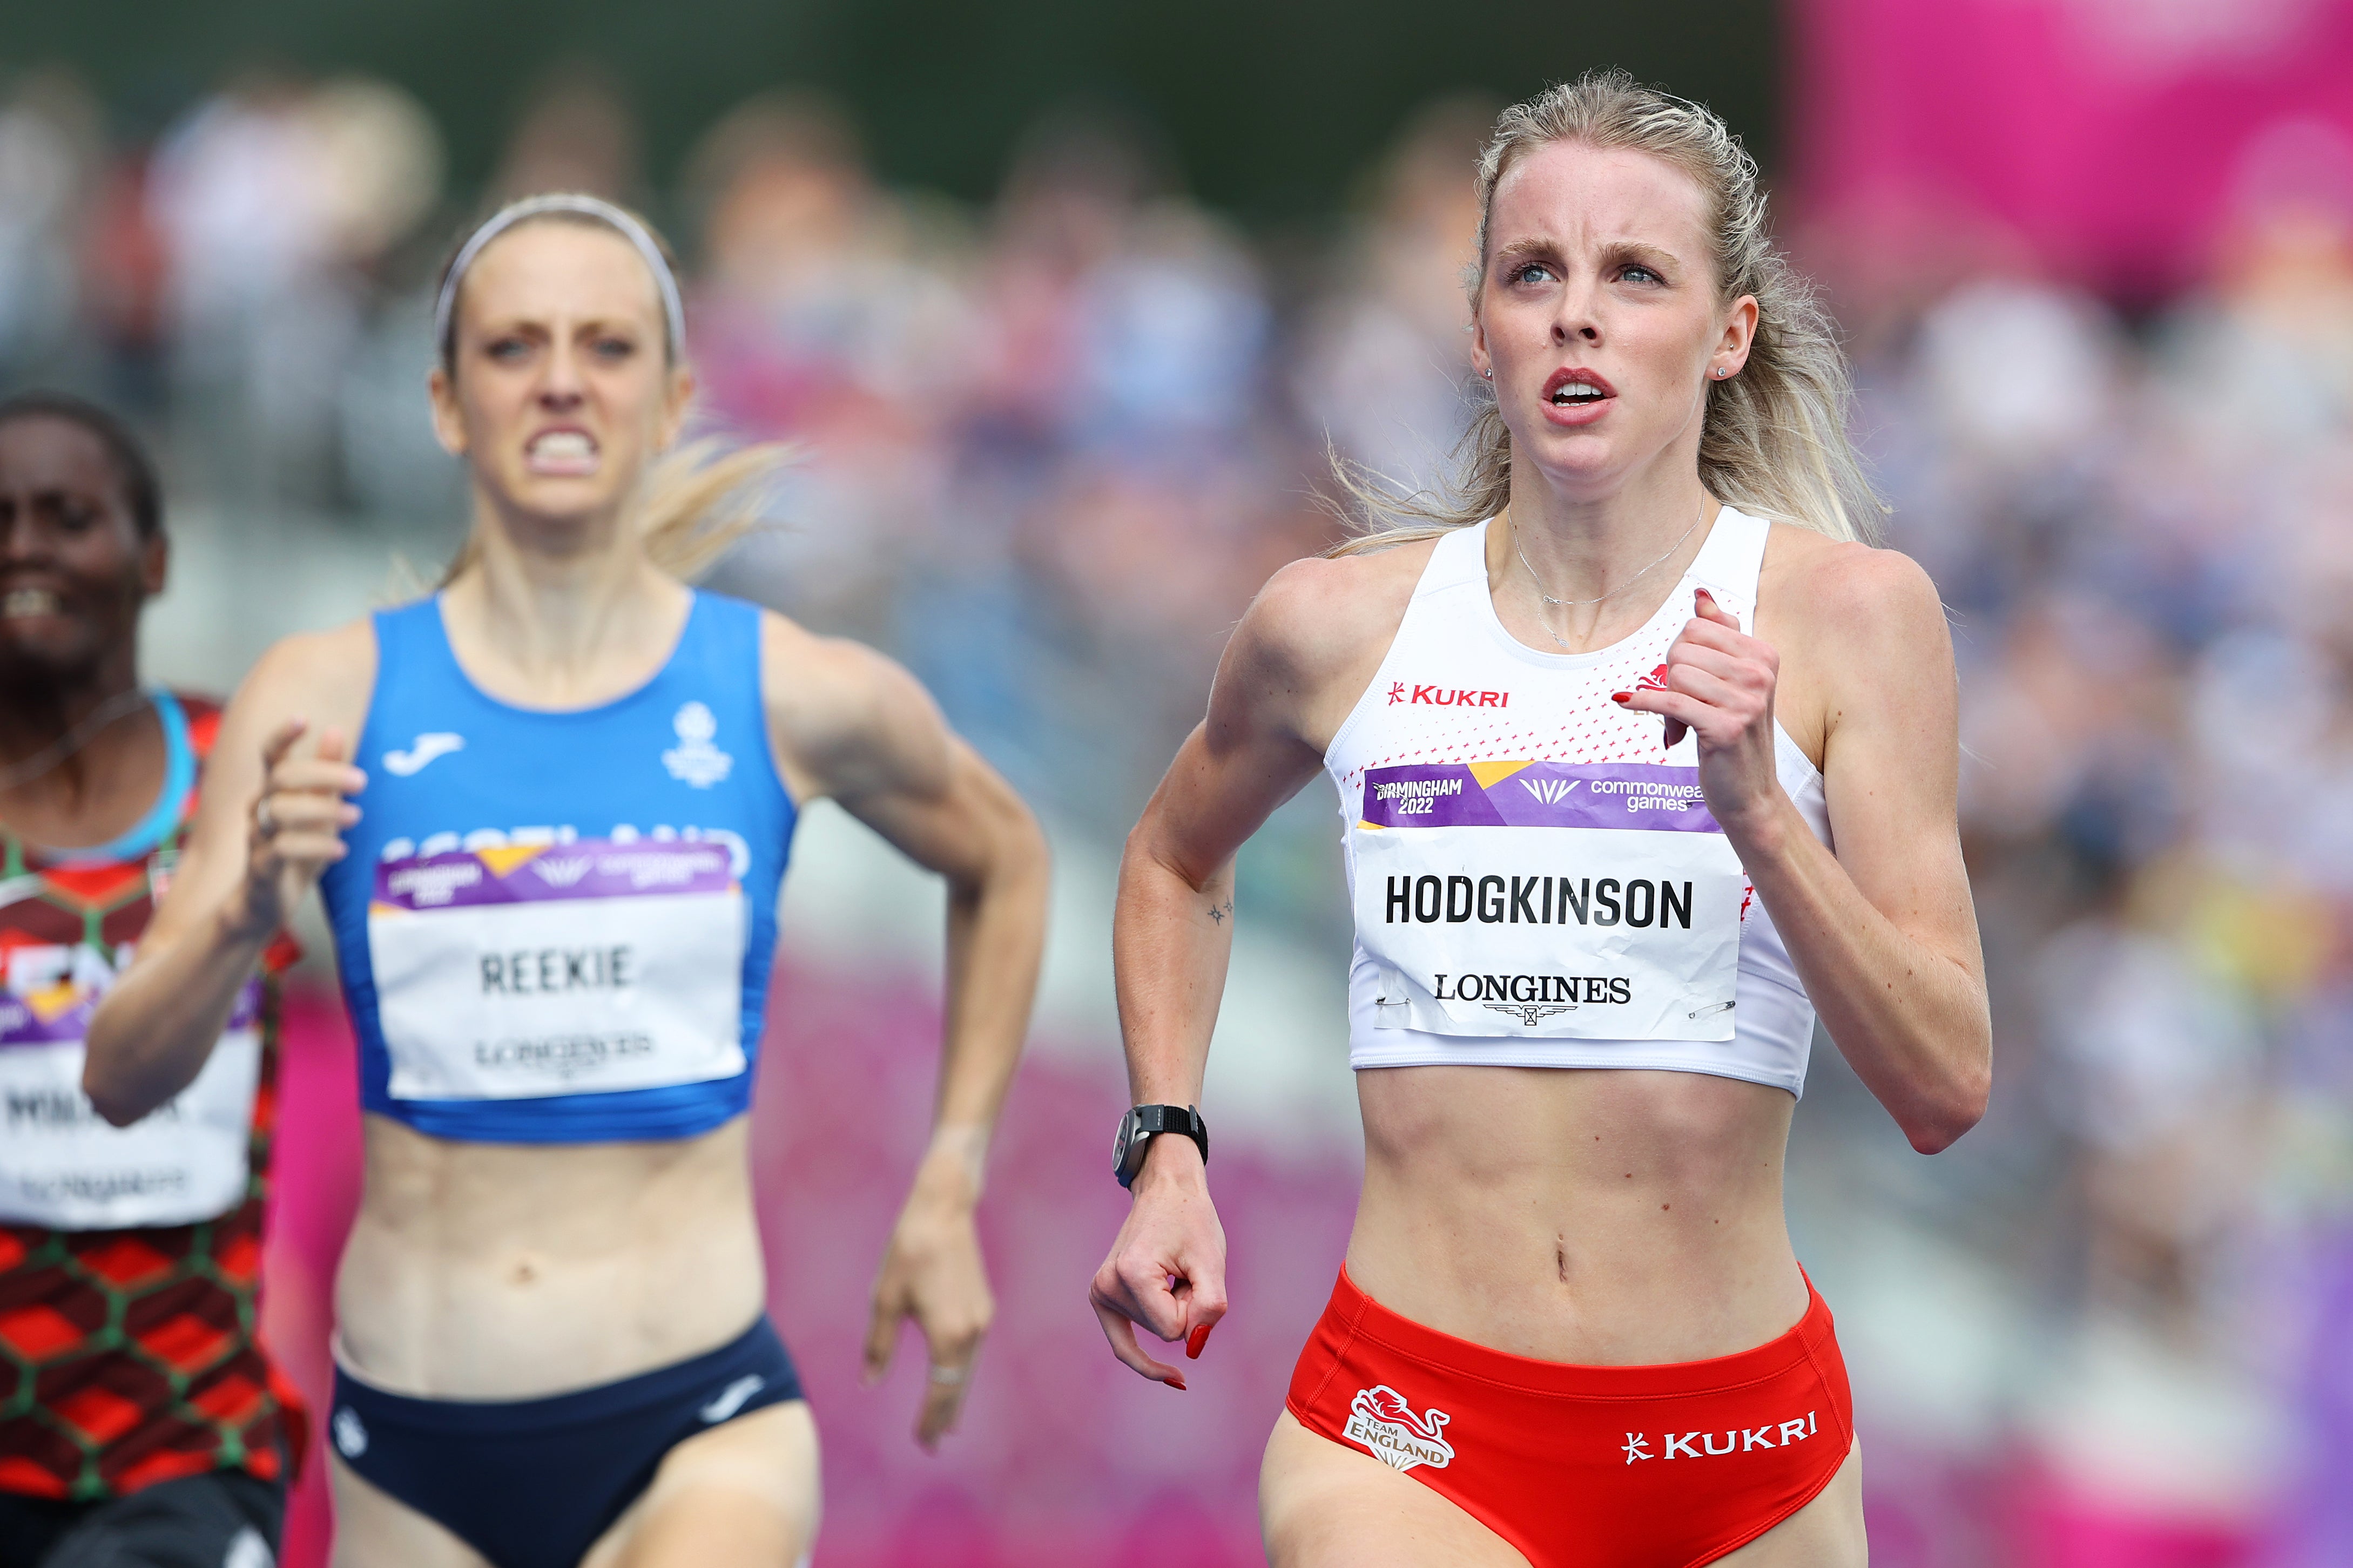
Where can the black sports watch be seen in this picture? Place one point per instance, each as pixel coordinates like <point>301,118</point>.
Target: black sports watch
<point>1145,1122</point>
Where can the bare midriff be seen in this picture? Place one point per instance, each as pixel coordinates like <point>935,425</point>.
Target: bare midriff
<point>1599,1217</point>
<point>505,1271</point>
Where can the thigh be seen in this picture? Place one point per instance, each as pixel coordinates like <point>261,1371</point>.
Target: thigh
<point>1825,1533</point>
<point>377,1530</point>
<point>743,1495</point>
<point>1322,1505</point>
<point>227,1520</point>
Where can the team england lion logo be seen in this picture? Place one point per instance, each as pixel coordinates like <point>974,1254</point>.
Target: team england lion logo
<point>1381,1421</point>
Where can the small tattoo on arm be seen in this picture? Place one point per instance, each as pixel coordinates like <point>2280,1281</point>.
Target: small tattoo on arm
<point>1218,912</point>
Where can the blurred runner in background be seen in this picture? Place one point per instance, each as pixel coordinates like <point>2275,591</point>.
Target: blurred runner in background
<point>552,869</point>
<point>140,1422</point>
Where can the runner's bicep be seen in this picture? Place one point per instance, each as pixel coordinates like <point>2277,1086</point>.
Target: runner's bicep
<point>1214,797</point>
<point>212,857</point>
<point>957,818</point>
<point>308,676</point>
<point>1891,775</point>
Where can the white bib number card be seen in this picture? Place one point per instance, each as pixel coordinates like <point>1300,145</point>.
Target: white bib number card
<point>63,1167</point>
<point>1592,901</point>
<point>580,968</point>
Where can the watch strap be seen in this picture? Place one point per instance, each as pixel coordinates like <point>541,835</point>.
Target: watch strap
<point>1153,1119</point>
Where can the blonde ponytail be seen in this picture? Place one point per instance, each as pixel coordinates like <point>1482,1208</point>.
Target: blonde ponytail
<point>700,499</point>
<point>1774,441</point>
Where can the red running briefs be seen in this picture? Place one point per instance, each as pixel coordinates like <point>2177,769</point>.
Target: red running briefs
<point>1585,1466</point>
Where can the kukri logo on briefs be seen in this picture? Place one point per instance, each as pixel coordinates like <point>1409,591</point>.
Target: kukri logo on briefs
<point>1736,1440</point>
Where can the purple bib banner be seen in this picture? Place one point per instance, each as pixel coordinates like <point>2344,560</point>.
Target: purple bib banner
<point>1650,796</point>
<point>586,868</point>
<point>63,1013</point>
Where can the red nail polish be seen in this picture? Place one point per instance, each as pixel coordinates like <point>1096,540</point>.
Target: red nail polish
<point>1199,1338</point>
<point>1621,696</point>
<point>1178,1383</point>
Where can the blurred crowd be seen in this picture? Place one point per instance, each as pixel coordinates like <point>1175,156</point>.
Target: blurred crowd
<point>2143,530</point>
<point>1053,445</point>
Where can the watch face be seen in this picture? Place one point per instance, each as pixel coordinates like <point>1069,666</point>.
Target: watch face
<point>1127,1129</point>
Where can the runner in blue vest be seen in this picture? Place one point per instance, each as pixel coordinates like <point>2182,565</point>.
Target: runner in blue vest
<point>548,808</point>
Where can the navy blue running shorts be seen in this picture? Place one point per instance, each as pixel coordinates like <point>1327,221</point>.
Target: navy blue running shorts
<point>532,1483</point>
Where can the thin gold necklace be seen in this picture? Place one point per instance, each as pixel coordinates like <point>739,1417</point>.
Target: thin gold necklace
<point>72,741</point>
<point>1572,604</point>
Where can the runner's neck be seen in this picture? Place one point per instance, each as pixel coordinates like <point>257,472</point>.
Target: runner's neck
<point>107,778</point>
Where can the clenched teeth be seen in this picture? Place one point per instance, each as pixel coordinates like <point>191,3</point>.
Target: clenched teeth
<point>563,447</point>
<point>29,602</point>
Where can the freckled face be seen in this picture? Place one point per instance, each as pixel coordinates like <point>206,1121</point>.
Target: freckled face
<point>564,389</point>
<point>1598,312</point>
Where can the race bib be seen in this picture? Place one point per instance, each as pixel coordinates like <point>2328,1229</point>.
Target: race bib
<point>580,968</point>
<point>63,1167</point>
<point>1559,899</point>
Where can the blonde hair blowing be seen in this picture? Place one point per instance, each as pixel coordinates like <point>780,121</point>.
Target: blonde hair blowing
<point>1774,440</point>
<point>693,502</point>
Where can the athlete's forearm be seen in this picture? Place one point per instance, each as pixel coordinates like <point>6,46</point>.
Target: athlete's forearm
<point>151,1034</point>
<point>996,942</point>
<point>1911,1020</point>
<point>1172,939</point>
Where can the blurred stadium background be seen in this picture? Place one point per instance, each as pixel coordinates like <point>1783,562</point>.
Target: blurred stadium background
<point>1065,301</point>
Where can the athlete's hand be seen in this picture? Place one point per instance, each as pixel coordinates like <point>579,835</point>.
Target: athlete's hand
<point>932,1272</point>
<point>1167,1269</point>
<point>295,830</point>
<point>1719,686</point>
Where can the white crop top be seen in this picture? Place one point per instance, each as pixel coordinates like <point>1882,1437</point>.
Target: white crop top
<point>1537,879</point>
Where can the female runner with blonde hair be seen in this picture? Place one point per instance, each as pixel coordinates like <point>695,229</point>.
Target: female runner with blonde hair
<point>548,808</point>
<point>1644,757</point>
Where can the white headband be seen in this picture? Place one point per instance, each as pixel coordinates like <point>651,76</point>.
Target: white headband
<point>506,217</point>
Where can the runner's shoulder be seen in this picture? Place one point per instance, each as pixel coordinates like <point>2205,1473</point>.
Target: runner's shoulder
<point>1855,603</point>
<point>323,675</point>
<point>835,702</point>
<point>1320,618</point>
